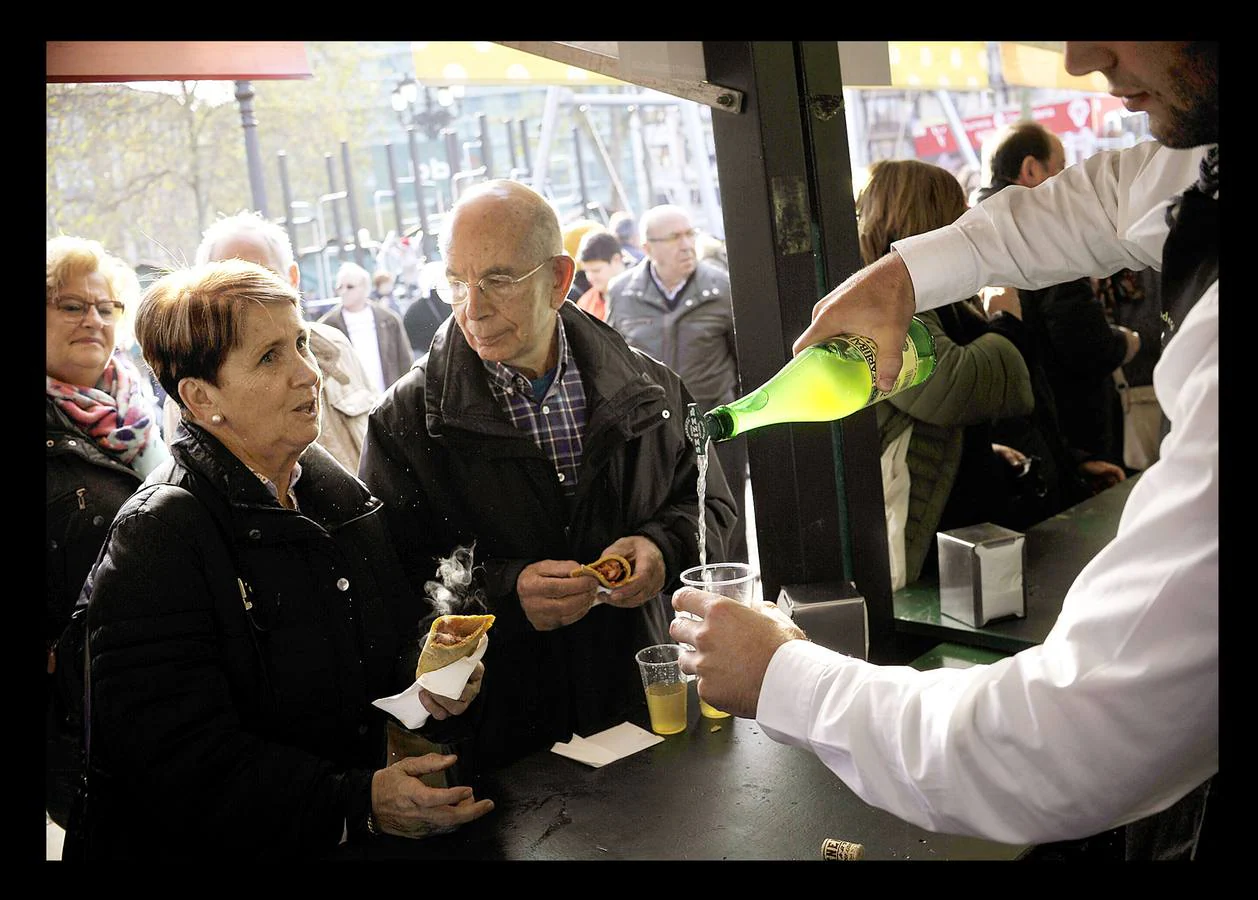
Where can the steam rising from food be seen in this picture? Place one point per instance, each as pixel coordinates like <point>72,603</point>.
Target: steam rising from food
<point>452,592</point>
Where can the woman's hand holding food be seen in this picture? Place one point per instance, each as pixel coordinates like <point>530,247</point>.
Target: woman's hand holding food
<point>443,707</point>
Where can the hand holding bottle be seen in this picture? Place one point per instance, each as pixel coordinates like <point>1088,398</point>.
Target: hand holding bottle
<point>878,302</point>
<point>824,382</point>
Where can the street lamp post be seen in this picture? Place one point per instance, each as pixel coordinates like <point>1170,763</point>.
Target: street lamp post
<point>257,185</point>
<point>428,117</point>
<point>432,115</point>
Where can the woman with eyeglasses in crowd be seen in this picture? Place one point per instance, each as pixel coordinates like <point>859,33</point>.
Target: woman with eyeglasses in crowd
<point>102,439</point>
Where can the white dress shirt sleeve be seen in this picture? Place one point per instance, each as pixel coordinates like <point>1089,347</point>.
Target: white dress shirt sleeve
<point>1115,716</point>
<point>1104,214</point>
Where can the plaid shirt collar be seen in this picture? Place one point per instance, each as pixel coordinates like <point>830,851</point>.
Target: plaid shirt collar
<point>555,421</point>
<point>505,380</point>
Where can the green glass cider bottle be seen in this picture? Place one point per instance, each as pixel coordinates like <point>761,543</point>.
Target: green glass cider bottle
<point>826,381</point>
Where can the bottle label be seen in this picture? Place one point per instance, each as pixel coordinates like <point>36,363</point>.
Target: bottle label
<point>869,350</point>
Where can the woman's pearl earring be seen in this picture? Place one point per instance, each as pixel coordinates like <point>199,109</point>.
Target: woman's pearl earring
<point>216,419</point>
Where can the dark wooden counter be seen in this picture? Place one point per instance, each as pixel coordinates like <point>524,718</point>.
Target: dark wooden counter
<point>704,794</point>
<point>1057,549</point>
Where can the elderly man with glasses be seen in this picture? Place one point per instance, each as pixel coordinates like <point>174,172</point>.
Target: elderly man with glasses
<point>534,434</point>
<point>676,307</point>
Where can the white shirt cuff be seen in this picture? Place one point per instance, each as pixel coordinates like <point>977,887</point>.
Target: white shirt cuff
<point>941,265</point>
<point>788,693</point>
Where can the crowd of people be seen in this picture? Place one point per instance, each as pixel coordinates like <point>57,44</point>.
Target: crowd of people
<point>233,577</point>
<point>256,495</point>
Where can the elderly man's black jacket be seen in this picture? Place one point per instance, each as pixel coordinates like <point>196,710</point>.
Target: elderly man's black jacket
<point>453,470</point>
<point>236,647</point>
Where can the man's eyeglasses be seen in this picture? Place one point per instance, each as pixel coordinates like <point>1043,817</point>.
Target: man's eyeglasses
<point>75,310</point>
<point>691,233</point>
<point>495,287</point>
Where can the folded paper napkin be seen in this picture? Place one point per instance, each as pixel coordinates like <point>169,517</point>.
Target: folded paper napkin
<point>448,681</point>
<point>607,746</point>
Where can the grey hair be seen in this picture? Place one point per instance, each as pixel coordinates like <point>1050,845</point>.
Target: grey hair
<point>361,275</point>
<point>251,224</point>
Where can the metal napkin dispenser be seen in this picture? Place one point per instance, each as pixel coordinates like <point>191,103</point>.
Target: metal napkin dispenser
<point>980,573</point>
<point>832,613</point>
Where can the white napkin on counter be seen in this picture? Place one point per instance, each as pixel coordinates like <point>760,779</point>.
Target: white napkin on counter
<point>448,681</point>
<point>607,746</point>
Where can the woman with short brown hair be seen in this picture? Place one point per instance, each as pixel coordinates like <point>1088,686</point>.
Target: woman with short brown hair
<point>247,608</point>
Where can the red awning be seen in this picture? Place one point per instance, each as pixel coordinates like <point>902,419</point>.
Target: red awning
<point>95,61</point>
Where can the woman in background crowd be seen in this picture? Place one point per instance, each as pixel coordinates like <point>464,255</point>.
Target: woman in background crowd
<point>937,436</point>
<point>101,439</point>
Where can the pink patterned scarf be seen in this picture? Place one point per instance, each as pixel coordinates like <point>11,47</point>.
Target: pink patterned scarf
<point>116,413</point>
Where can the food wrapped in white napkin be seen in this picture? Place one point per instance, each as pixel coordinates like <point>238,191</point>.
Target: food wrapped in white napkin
<point>452,648</point>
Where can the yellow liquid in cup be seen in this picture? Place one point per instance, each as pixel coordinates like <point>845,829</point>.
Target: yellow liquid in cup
<point>667,705</point>
<point>711,711</point>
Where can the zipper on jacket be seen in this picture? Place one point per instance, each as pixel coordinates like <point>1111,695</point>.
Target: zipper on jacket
<point>79,493</point>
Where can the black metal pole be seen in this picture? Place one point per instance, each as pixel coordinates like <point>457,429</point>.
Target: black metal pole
<point>524,143</point>
<point>359,253</point>
<point>339,238</point>
<point>576,151</point>
<point>257,185</point>
<point>486,146</point>
<point>511,144</point>
<point>397,201</point>
<point>287,191</point>
<point>426,242</point>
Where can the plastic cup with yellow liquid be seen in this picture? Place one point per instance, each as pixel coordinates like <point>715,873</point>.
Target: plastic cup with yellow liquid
<point>665,686</point>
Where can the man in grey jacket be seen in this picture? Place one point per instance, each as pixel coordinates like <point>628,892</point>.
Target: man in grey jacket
<point>677,309</point>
